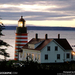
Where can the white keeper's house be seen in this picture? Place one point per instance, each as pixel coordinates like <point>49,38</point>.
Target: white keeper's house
<point>47,50</point>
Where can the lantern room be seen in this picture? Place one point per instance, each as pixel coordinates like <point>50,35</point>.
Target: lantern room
<point>21,26</point>
<point>21,22</point>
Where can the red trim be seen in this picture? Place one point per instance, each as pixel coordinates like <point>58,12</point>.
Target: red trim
<point>16,55</point>
<point>16,51</point>
<point>25,34</point>
<point>21,38</point>
<point>19,44</point>
<point>17,48</point>
<point>15,58</point>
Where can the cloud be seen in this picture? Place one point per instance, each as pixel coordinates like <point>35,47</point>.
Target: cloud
<point>38,9</point>
<point>36,16</point>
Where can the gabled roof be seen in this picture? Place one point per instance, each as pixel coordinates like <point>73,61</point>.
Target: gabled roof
<point>35,41</point>
<point>62,42</point>
<point>43,44</point>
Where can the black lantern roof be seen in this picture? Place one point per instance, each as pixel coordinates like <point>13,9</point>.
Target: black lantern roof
<point>21,19</point>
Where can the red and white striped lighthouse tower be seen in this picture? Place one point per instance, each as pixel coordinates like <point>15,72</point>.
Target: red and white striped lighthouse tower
<point>21,37</point>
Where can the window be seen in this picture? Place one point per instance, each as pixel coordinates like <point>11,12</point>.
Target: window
<point>68,55</point>
<point>48,48</point>
<point>35,56</point>
<point>38,56</point>
<point>46,57</point>
<point>24,55</point>
<point>20,55</point>
<point>56,48</point>
<point>58,56</point>
<point>32,56</point>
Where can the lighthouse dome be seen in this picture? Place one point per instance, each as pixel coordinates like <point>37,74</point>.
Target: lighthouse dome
<point>21,22</point>
<point>21,19</point>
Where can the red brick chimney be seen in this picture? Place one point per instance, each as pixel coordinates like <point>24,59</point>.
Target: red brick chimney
<point>46,36</point>
<point>36,36</point>
<point>58,36</point>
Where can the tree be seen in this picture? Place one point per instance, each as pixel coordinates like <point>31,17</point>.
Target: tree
<point>2,43</point>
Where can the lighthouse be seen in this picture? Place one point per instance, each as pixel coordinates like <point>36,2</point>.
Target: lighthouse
<point>21,37</point>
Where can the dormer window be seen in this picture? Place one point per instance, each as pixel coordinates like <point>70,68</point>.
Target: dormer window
<point>31,46</point>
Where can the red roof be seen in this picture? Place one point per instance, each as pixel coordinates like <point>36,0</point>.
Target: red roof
<point>62,42</point>
<point>35,41</point>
